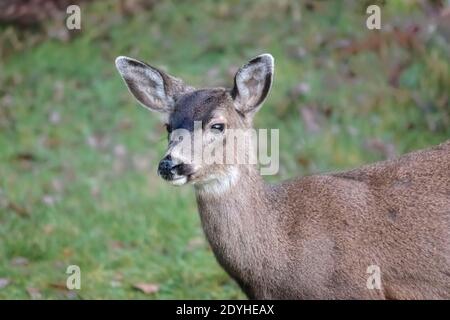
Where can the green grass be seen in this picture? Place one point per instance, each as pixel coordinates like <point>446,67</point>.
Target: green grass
<point>78,156</point>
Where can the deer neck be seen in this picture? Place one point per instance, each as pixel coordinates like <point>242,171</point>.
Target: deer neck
<point>238,223</point>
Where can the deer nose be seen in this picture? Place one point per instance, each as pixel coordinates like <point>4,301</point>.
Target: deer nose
<point>166,168</point>
<point>169,168</point>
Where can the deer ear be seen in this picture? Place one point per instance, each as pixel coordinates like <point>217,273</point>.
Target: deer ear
<point>153,88</point>
<point>252,84</point>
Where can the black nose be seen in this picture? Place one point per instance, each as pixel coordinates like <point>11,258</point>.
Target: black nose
<point>166,168</point>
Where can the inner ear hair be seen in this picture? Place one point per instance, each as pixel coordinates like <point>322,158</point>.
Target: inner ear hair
<point>252,83</point>
<point>152,87</point>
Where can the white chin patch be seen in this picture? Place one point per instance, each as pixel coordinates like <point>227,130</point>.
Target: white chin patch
<point>221,183</point>
<point>179,181</point>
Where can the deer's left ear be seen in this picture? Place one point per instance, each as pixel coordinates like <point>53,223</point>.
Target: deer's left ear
<point>252,84</point>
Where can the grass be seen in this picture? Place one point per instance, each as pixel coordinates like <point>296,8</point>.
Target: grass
<point>78,157</point>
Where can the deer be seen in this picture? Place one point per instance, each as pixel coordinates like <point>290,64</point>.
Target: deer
<point>310,237</point>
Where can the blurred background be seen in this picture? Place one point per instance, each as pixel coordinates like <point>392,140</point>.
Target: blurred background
<point>78,155</point>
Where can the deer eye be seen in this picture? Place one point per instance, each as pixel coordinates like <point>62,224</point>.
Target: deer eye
<point>218,126</point>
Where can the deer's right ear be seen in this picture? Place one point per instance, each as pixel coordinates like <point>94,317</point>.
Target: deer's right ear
<point>153,88</point>
<point>252,84</point>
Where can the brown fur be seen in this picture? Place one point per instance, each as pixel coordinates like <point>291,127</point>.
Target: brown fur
<point>314,237</point>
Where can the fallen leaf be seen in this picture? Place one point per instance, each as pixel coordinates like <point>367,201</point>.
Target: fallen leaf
<point>118,276</point>
<point>311,119</point>
<point>195,243</point>
<point>396,72</point>
<point>67,252</point>
<point>54,117</point>
<point>119,166</point>
<point>34,293</point>
<point>58,91</point>
<point>48,229</point>
<point>116,245</point>
<point>58,185</point>
<point>21,211</point>
<point>19,261</point>
<point>147,288</point>
<point>59,286</point>
<point>71,295</point>
<point>303,161</point>
<point>299,90</point>
<point>50,142</point>
<point>49,200</point>
<point>25,156</point>
<point>95,191</point>
<point>131,7</point>
<point>384,149</point>
<point>4,282</point>
<point>25,160</point>
<point>98,141</point>
<point>120,151</point>
<point>125,124</point>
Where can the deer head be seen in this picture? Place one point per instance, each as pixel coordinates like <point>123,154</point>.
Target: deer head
<point>199,119</point>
